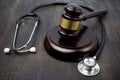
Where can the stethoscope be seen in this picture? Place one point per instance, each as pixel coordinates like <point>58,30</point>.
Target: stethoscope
<point>88,66</point>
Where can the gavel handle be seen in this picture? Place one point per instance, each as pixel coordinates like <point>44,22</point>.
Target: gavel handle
<point>93,14</point>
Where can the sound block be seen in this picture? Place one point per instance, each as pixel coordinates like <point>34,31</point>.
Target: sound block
<point>74,48</point>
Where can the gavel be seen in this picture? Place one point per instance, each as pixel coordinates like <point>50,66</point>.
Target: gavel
<point>70,40</point>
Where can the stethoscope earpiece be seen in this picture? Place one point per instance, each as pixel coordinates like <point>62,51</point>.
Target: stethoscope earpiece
<point>20,49</point>
<point>88,67</point>
<point>6,50</point>
<point>32,49</point>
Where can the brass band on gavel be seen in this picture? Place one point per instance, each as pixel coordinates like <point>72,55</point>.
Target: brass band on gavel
<point>69,24</point>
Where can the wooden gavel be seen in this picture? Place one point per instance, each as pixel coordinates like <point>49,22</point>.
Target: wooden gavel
<point>70,40</point>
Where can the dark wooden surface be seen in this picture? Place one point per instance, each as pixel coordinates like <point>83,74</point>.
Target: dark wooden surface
<point>41,66</point>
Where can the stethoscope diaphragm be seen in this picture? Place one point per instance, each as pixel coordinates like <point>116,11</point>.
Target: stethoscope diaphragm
<point>88,67</point>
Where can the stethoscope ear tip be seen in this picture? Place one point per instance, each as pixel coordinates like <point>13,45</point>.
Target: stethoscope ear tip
<point>32,49</point>
<point>6,50</point>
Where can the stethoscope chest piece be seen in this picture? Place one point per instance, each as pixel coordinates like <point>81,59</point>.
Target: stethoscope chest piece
<point>88,67</point>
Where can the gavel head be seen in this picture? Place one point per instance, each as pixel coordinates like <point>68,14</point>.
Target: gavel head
<point>70,19</point>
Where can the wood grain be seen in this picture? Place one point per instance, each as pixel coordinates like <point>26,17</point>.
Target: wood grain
<point>41,66</point>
